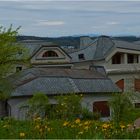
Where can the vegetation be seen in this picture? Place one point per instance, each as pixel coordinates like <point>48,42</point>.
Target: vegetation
<point>69,124</point>
<point>11,53</point>
<point>64,129</point>
<point>38,105</point>
<point>69,106</point>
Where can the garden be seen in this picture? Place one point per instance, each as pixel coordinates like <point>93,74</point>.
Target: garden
<point>62,122</point>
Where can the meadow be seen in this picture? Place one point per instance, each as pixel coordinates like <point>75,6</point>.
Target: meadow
<point>65,129</point>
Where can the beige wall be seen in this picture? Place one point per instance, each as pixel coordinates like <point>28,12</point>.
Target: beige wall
<point>38,59</point>
<point>87,101</point>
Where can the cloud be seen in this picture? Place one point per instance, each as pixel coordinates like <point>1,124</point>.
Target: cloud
<point>50,23</point>
<point>112,23</point>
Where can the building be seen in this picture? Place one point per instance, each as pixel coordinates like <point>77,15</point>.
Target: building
<point>54,73</point>
<point>121,60</point>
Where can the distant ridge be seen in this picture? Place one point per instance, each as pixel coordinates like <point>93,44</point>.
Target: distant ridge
<point>73,40</point>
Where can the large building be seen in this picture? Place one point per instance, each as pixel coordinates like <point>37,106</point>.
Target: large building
<point>53,72</point>
<point>121,60</point>
<point>92,70</point>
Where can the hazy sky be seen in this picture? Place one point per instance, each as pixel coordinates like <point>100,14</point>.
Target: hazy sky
<point>60,18</point>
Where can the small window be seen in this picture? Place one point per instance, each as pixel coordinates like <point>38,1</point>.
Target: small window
<point>50,54</point>
<point>18,69</point>
<point>81,56</point>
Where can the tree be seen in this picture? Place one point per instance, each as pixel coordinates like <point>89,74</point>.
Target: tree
<point>11,53</point>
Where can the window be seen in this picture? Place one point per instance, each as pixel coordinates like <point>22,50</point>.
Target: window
<point>131,58</point>
<point>137,85</point>
<point>50,54</point>
<point>120,84</point>
<point>116,59</point>
<point>19,68</point>
<point>81,56</point>
<point>137,105</point>
<point>102,108</point>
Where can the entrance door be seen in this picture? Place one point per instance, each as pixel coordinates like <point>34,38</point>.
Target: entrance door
<point>101,107</point>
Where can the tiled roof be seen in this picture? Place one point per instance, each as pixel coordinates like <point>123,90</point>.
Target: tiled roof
<point>101,47</point>
<point>60,81</point>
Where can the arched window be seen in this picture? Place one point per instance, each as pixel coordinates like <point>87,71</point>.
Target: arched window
<point>50,54</point>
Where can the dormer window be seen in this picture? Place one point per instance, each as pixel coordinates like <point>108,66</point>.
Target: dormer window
<point>81,56</point>
<point>50,54</point>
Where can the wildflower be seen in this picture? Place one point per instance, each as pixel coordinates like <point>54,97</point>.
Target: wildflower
<point>21,134</point>
<point>38,118</point>
<point>49,129</point>
<point>46,126</point>
<point>80,133</point>
<point>5,126</point>
<point>86,127</point>
<point>72,126</point>
<point>86,123</point>
<point>105,126</point>
<point>40,130</point>
<point>37,127</point>
<point>77,121</point>
<point>65,123</point>
<point>122,127</point>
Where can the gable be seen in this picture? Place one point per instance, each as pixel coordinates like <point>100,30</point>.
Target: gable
<point>50,54</point>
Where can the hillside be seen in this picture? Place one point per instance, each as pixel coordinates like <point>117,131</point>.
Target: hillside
<point>72,40</point>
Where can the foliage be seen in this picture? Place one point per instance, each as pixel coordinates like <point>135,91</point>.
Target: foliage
<point>38,105</point>
<point>11,53</point>
<point>5,89</point>
<point>121,105</point>
<point>69,106</point>
<point>88,115</point>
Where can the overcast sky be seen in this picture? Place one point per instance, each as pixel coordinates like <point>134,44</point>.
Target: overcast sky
<point>63,18</point>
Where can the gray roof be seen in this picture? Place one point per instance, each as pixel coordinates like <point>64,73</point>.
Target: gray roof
<point>101,47</point>
<point>35,45</point>
<point>53,81</point>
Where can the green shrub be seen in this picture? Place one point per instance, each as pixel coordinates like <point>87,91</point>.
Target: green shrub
<point>38,105</point>
<point>69,106</point>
